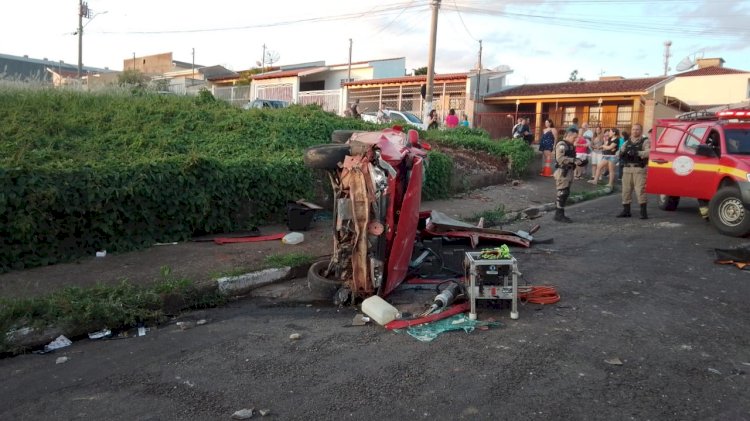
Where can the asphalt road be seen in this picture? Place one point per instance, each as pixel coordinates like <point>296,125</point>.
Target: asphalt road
<point>644,292</point>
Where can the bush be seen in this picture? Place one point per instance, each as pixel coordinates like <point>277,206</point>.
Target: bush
<point>81,172</point>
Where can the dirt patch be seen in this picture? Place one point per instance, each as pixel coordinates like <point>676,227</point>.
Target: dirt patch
<point>474,169</point>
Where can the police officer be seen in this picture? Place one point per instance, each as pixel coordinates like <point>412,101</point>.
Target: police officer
<point>565,163</point>
<point>634,158</point>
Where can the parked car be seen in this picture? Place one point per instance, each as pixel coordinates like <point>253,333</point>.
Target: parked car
<point>265,103</point>
<point>377,183</point>
<point>704,156</point>
<point>396,117</point>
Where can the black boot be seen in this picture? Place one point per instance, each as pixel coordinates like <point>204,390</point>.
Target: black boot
<point>560,216</point>
<point>625,211</point>
<point>644,214</point>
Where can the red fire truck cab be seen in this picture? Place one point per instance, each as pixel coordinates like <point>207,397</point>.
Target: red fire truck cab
<point>705,156</point>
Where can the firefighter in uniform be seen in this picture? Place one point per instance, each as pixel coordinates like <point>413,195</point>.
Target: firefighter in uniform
<point>634,158</point>
<point>565,163</point>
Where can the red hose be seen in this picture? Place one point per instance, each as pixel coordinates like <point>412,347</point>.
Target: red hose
<point>539,294</point>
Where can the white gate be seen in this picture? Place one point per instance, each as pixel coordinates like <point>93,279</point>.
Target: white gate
<point>280,91</point>
<point>329,100</point>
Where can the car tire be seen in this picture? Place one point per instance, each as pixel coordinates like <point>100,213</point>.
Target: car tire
<point>321,288</point>
<point>325,157</point>
<point>667,203</point>
<point>728,213</point>
<point>342,136</point>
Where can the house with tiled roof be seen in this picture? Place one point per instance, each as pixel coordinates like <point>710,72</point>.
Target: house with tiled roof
<point>319,83</point>
<point>710,84</point>
<point>610,101</point>
<point>450,91</point>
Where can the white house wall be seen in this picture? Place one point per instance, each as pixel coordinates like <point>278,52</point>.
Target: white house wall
<point>710,90</point>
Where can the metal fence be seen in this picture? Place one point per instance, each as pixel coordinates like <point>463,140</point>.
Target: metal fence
<point>329,100</point>
<point>280,91</point>
<point>235,95</point>
<point>446,95</point>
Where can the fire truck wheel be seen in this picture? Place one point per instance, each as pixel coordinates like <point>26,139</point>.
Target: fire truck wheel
<point>667,203</point>
<point>342,136</point>
<point>325,157</point>
<point>728,214</point>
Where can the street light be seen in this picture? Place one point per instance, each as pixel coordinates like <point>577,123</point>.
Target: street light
<point>600,109</point>
<point>518,102</point>
<point>83,12</point>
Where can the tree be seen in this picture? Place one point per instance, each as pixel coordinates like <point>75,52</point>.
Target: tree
<point>246,76</point>
<point>574,76</point>
<point>420,71</point>
<point>134,78</point>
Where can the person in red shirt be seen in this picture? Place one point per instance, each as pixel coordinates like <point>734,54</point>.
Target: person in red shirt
<point>451,120</point>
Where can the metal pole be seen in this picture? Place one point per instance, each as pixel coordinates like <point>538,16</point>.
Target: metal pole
<point>349,76</point>
<point>263,60</point>
<point>479,78</point>
<point>431,59</point>
<point>80,37</point>
<point>193,66</point>
<point>134,61</point>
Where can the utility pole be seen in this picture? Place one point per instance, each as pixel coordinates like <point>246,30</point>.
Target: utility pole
<point>134,61</point>
<point>667,44</point>
<point>479,78</point>
<point>349,76</point>
<point>263,60</point>
<point>193,66</point>
<point>83,10</point>
<point>431,59</point>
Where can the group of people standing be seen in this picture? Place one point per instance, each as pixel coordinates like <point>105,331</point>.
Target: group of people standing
<point>605,150</point>
<point>451,120</point>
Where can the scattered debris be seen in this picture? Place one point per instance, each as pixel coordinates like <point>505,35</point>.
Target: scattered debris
<point>61,360</point>
<point>360,320</point>
<point>188,383</point>
<point>59,342</point>
<point>516,183</point>
<point>243,414</point>
<point>104,333</point>
<point>174,243</point>
<point>429,331</point>
<point>739,257</point>
<point>295,336</point>
<point>264,412</point>
<point>101,253</point>
<point>185,325</point>
<point>713,370</point>
<point>201,322</point>
<point>613,361</point>
<point>379,310</point>
<point>293,238</point>
<point>142,331</point>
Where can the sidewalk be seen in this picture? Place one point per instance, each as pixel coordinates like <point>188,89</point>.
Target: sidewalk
<point>204,262</point>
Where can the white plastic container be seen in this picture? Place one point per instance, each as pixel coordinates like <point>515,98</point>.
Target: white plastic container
<point>293,238</point>
<point>379,310</point>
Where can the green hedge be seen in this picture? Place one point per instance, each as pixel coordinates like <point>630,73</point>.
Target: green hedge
<point>82,172</point>
<point>49,216</point>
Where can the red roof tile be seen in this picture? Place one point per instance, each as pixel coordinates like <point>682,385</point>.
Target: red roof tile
<point>408,79</point>
<point>711,71</point>
<point>579,88</point>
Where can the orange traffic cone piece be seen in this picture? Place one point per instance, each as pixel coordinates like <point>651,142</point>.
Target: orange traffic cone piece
<point>547,169</point>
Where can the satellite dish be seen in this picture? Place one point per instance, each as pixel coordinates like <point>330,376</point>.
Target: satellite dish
<point>686,63</point>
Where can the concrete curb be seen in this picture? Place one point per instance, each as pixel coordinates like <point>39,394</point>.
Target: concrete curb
<point>537,211</point>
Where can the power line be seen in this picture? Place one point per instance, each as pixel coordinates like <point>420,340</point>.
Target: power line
<point>374,12</point>
<point>462,21</point>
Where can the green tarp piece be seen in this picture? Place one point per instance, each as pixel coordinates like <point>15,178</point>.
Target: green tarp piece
<point>429,331</point>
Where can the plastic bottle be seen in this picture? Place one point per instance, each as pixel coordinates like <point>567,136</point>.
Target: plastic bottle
<point>293,238</point>
<point>379,310</point>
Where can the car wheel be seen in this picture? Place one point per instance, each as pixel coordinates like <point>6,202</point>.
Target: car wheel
<point>325,157</point>
<point>322,288</point>
<point>342,136</point>
<point>667,203</point>
<point>728,213</point>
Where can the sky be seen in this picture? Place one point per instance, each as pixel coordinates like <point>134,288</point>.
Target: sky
<point>542,41</point>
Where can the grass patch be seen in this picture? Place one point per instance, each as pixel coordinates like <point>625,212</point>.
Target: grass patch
<point>492,217</point>
<point>77,310</point>
<point>288,259</point>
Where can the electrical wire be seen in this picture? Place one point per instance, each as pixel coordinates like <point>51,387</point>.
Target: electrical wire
<point>462,22</point>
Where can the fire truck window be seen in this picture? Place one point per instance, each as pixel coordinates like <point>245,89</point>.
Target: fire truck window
<point>738,141</point>
<point>694,138</point>
<point>669,141</point>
